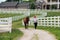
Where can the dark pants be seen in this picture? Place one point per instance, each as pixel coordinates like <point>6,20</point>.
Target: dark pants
<point>35,24</point>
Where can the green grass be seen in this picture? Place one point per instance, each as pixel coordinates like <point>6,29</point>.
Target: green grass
<point>32,15</point>
<point>17,24</point>
<point>11,36</point>
<point>16,33</point>
<point>53,14</point>
<point>8,15</point>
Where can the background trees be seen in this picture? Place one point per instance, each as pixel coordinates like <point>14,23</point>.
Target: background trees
<point>11,0</point>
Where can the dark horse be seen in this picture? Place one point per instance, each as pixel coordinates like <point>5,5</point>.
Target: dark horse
<point>26,22</point>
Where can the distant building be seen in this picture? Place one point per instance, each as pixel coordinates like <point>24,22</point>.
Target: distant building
<point>49,4</point>
<point>53,4</point>
<point>22,5</point>
<point>39,4</point>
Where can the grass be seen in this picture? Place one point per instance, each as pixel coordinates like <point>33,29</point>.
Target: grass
<point>15,33</point>
<point>11,36</point>
<point>17,24</point>
<point>53,14</point>
<point>8,15</point>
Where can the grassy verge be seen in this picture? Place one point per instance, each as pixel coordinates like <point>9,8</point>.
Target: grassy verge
<point>53,14</point>
<point>15,33</point>
<point>11,36</point>
<point>8,15</point>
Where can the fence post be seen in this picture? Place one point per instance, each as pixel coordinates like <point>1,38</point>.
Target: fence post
<point>58,21</point>
<point>10,23</point>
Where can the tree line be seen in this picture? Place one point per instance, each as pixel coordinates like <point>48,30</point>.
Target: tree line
<point>20,0</point>
<point>32,5</point>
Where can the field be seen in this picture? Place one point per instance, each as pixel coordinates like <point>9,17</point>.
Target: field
<point>18,24</point>
<point>3,15</point>
<point>53,14</point>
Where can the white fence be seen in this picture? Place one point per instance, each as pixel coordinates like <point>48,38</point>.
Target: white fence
<point>5,24</point>
<point>18,10</point>
<point>15,18</point>
<point>47,21</point>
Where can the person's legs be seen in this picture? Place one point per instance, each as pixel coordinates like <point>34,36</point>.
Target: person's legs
<point>35,25</point>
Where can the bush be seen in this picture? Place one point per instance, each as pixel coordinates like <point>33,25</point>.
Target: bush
<point>32,6</point>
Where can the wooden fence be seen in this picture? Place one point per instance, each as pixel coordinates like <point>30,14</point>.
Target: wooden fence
<point>5,24</point>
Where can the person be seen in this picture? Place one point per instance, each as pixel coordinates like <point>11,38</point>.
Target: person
<point>35,22</point>
<point>26,22</point>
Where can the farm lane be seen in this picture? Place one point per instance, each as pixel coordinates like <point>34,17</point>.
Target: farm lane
<point>40,34</point>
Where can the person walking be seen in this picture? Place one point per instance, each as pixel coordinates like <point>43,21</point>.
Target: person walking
<point>35,22</point>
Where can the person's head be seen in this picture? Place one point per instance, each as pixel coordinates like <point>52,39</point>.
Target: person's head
<point>34,16</point>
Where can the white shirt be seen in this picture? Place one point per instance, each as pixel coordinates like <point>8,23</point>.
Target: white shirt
<point>35,20</point>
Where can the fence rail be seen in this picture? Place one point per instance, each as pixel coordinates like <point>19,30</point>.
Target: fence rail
<point>7,10</point>
<point>5,24</point>
<point>15,18</point>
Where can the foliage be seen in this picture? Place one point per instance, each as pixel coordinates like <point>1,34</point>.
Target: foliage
<point>11,0</point>
<point>3,15</point>
<point>32,6</point>
<point>53,14</point>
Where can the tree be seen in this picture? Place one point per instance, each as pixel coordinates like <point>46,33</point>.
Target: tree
<point>8,0</point>
<point>32,6</point>
<point>32,0</point>
<point>11,0</point>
